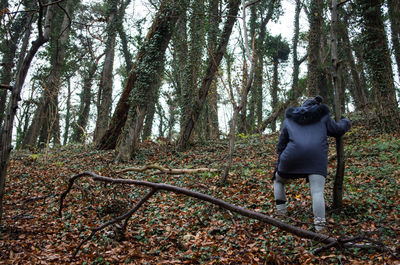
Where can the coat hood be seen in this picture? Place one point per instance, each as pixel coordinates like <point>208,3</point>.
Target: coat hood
<point>308,113</point>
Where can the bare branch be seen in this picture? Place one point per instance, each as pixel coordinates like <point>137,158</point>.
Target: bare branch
<point>169,171</point>
<point>7,87</point>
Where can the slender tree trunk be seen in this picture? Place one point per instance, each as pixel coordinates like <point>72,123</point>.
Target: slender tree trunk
<point>360,97</point>
<point>213,22</point>
<point>377,58</point>
<point>296,63</point>
<point>336,76</point>
<point>68,114</point>
<point>148,77</point>
<point>243,97</point>
<point>6,130</point>
<point>104,96</point>
<point>213,64</point>
<point>274,92</point>
<point>79,129</point>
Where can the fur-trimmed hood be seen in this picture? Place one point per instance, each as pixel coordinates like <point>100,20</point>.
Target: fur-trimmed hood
<point>307,114</point>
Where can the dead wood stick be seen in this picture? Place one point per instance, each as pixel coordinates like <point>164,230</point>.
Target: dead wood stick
<point>126,216</point>
<point>204,197</point>
<point>170,171</point>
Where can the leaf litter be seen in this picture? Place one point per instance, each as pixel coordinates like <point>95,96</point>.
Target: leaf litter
<point>174,229</point>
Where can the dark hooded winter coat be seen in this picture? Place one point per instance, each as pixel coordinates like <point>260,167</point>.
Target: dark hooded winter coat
<point>303,147</point>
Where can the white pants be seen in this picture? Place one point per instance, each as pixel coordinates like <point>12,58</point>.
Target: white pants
<point>317,184</point>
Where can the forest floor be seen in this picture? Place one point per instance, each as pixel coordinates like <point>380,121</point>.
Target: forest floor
<point>175,229</point>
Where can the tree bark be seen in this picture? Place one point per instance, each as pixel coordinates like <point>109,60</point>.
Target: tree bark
<point>394,14</point>
<point>148,75</point>
<point>213,23</point>
<point>336,77</point>
<point>8,49</point>
<point>79,128</point>
<point>104,96</point>
<point>360,97</point>
<point>377,58</point>
<point>119,118</point>
<point>196,43</point>
<point>46,115</point>
<point>6,130</point>
<point>212,66</point>
<point>315,73</point>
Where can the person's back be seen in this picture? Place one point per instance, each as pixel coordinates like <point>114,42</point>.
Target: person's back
<point>303,150</point>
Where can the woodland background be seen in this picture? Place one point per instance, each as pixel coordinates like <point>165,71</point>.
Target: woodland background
<point>88,86</point>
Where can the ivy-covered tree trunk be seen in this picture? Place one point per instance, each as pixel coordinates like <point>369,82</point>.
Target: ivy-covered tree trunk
<point>22,71</point>
<point>194,63</point>
<point>147,76</point>
<point>8,48</point>
<point>377,58</point>
<point>256,93</point>
<point>159,33</point>
<point>212,66</point>
<point>213,31</point>
<point>46,115</point>
<point>315,72</point>
<point>79,128</point>
<point>360,98</point>
<point>394,16</point>
<point>104,94</point>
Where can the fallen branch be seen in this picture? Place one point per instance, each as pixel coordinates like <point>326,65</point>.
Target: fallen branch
<point>330,241</point>
<point>165,170</point>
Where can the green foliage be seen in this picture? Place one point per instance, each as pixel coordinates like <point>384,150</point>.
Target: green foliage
<point>276,47</point>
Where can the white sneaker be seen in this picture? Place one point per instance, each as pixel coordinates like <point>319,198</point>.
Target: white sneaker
<point>281,209</point>
<point>320,223</point>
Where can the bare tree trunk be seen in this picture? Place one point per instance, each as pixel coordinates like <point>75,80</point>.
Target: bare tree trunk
<point>336,76</point>
<point>274,92</point>
<point>68,114</point>
<point>213,64</point>
<point>6,130</point>
<point>243,97</point>
<point>104,96</point>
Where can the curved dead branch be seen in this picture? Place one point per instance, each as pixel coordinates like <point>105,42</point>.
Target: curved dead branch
<point>328,240</point>
<point>165,170</point>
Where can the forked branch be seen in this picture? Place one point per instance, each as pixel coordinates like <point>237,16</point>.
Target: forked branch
<point>328,240</point>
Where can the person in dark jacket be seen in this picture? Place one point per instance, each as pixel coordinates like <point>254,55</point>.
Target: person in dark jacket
<point>303,152</point>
